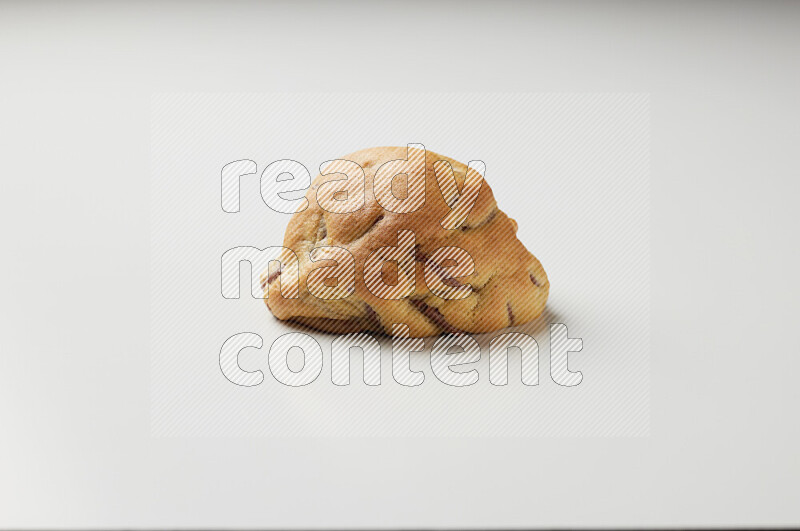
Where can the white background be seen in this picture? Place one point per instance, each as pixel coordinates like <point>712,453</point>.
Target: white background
<point>571,169</point>
<point>75,444</point>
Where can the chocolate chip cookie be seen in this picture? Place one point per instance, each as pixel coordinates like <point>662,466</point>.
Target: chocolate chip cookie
<point>404,235</point>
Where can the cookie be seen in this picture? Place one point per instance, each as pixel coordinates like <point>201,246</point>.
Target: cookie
<point>428,248</point>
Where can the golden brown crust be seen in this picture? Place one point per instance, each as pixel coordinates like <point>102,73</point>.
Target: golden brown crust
<point>509,286</point>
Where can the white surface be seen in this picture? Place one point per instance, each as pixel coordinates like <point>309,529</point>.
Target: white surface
<point>75,445</point>
<point>571,169</point>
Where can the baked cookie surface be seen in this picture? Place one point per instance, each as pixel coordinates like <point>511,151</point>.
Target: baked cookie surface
<point>428,289</point>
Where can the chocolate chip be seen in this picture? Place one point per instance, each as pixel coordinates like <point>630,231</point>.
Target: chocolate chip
<point>273,276</point>
<point>446,279</point>
<point>419,256</point>
<point>450,281</point>
<point>435,316</point>
<point>373,319</point>
<point>326,324</point>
